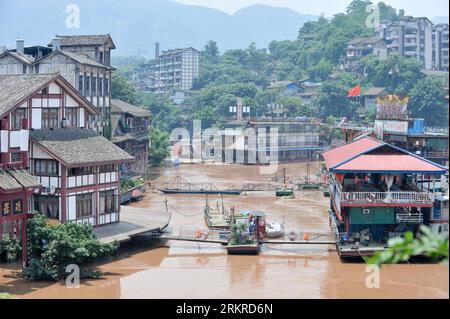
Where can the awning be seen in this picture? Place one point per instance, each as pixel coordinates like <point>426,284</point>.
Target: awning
<point>389,163</point>
<point>17,179</point>
<point>7,182</point>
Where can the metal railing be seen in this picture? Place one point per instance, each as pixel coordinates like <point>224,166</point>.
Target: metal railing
<point>386,197</point>
<point>435,154</point>
<point>355,126</point>
<point>441,130</point>
<point>409,218</point>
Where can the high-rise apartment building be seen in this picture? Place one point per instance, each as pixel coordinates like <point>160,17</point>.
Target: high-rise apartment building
<point>440,47</point>
<point>409,37</point>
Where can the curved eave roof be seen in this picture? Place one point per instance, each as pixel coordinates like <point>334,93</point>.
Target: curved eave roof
<point>388,163</point>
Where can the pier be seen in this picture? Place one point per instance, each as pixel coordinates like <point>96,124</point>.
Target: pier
<point>134,222</point>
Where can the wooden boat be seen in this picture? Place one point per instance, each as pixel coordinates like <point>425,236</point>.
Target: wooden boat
<point>284,192</point>
<point>248,249</point>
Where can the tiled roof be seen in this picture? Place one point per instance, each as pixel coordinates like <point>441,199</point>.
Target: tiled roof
<point>24,178</point>
<point>19,56</point>
<point>75,146</point>
<point>82,58</point>
<point>7,182</point>
<point>119,106</point>
<point>342,153</point>
<point>17,179</point>
<point>374,91</point>
<point>122,138</point>
<point>77,57</point>
<point>371,155</point>
<point>83,40</point>
<point>15,88</point>
<point>394,163</point>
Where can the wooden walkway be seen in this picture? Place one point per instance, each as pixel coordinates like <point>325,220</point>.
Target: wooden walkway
<point>134,222</point>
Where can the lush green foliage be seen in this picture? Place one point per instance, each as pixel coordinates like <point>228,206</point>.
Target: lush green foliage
<point>121,89</point>
<point>314,56</point>
<point>165,115</point>
<point>434,246</point>
<point>427,100</point>
<point>10,247</point>
<point>160,146</point>
<point>52,247</point>
<point>128,184</point>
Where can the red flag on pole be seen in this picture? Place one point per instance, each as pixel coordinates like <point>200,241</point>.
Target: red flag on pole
<point>356,91</point>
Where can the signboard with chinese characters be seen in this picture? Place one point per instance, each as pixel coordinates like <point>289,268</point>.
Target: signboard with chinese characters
<point>6,208</point>
<point>392,108</point>
<point>18,206</point>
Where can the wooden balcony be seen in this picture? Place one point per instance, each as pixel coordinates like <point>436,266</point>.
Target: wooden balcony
<point>425,198</point>
<point>401,198</point>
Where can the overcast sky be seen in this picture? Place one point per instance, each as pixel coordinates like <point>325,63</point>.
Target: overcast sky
<point>428,8</point>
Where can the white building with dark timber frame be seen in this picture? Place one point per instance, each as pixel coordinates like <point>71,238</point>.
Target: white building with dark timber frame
<point>77,168</point>
<point>83,60</point>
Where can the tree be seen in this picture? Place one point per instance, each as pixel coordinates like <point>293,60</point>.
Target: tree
<point>396,73</point>
<point>52,247</point>
<point>160,144</point>
<point>332,100</point>
<point>121,89</point>
<point>427,99</point>
<point>211,51</point>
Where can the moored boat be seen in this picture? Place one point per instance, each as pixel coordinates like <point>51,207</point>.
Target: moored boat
<point>245,249</point>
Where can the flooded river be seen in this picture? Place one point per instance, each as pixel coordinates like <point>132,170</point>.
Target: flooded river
<point>188,270</point>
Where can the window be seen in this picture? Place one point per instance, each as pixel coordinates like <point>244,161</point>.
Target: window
<point>16,118</point>
<point>108,202</point>
<point>94,85</point>
<point>87,85</point>
<point>50,118</point>
<point>47,205</point>
<point>106,86</point>
<point>46,167</point>
<point>100,86</point>
<point>84,205</point>
<point>15,157</point>
<point>107,168</point>
<point>72,116</point>
<point>100,57</point>
<point>80,84</point>
<point>78,171</point>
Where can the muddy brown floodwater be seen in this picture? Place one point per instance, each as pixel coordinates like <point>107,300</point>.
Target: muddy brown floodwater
<point>188,270</point>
